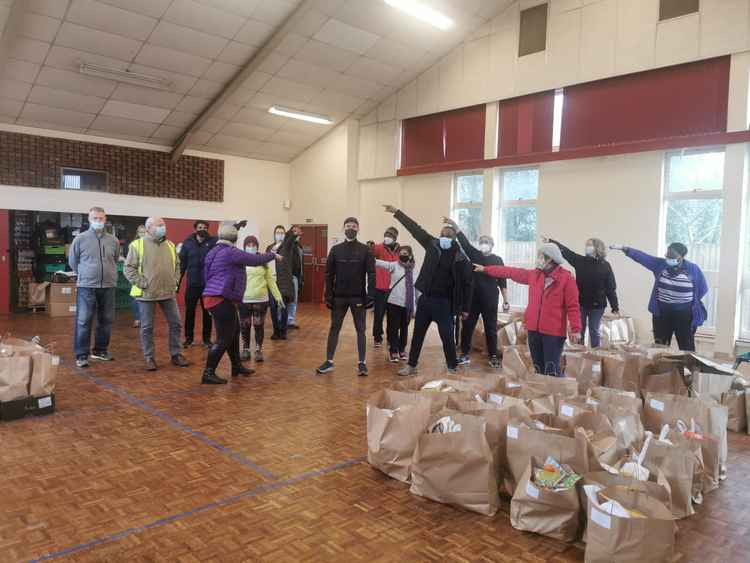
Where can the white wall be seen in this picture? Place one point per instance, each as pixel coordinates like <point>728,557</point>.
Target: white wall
<point>253,189</point>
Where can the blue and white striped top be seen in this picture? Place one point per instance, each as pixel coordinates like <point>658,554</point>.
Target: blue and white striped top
<point>674,288</point>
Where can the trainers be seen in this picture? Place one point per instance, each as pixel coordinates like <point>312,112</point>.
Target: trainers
<point>245,355</point>
<point>101,356</point>
<point>378,343</point>
<point>407,370</point>
<point>402,356</point>
<point>180,361</point>
<point>325,367</point>
<point>451,371</point>
<point>393,357</point>
<point>494,362</point>
<point>151,364</point>
<point>82,362</point>
<point>258,356</point>
<point>464,360</point>
<point>362,369</point>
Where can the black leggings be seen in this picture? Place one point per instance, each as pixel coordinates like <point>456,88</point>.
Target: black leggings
<point>397,321</point>
<point>338,312</point>
<point>677,322</point>
<point>227,323</point>
<point>252,315</point>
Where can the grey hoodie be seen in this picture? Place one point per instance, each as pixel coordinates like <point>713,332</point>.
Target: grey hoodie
<point>94,258</point>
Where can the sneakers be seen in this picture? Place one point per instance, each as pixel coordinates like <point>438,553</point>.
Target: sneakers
<point>101,356</point>
<point>407,370</point>
<point>188,343</point>
<point>180,361</point>
<point>464,360</point>
<point>151,364</point>
<point>451,371</point>
<point>258,356</point>
<point>494,362</point>
<point>242,370</point>
<point>210,378</point>
<point>393,357</point>
<point>362,369</point>
<point>378,343</point>
<point>245,355</point>
<point>325,367</point>
<point>402,356</point>
<point>82,362</point>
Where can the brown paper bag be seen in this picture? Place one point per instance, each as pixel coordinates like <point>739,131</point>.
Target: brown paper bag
<point>622,371</point>
<point>617,397</point>
<point>586,369</point>
<point>614,539</point>
<point>734,400</point>
<point>457,468</point>
<point>517,362</point>
<point>558,386</point>
<point>555,514</point>
<point>627,425</point>
<point>395,420</point>
<point>15,372</point>
<point>595,438</point>
<point>663,376</point>
<point>569,409</point>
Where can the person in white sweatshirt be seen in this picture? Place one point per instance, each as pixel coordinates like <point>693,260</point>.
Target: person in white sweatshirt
<point>401,302</point>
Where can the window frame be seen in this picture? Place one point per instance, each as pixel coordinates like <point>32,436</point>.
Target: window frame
<point>456,205</point>
<point>66,170</point>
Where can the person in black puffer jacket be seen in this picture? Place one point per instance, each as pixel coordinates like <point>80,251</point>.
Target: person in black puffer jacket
<point>596,285</point>
<point>446,284</point>
<point>193,251</point>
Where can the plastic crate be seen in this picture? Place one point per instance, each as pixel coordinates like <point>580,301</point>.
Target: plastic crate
<point>41,405</point>
<point>52,268</point>
<point>54,249</point>
<point>12,410</point>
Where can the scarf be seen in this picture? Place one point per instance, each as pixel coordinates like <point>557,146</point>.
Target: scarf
<point>409,285</point>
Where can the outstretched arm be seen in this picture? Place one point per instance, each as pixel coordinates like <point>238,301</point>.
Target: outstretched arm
<point>386,265</point>
<point>518,275</point>
<point>653,263</point>
<point>572,258</point>
<point>420,235</point>
<point>474,254</point>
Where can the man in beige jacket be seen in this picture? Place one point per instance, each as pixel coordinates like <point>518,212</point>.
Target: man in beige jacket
<point>153,267</point>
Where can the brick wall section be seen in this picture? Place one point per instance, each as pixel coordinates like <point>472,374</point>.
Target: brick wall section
<point>30,160</point>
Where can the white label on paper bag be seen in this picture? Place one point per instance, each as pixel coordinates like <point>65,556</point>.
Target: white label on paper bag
<point>566,411</point>
<point>494,398</point>
<point>656,405</point>
<point>72,309</point>
<point>601,519</point>
<point>590,401</point>
<point>512,432</point>
<point>45,402</point>
<point>596,368</point>
<point>55,360</point>
<point>531,490</point>
<point>66,290</point>
<point>512,385</point>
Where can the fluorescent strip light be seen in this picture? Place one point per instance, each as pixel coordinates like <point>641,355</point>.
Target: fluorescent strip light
<point>422,12</point>
<point>304,116</point>
<point>120,75</point>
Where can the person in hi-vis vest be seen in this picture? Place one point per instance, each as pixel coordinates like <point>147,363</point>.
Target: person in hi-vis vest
<point>153,267</point>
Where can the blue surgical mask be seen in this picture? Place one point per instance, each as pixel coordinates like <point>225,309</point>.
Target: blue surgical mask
<point>673,262</point>
<point>589,251</point>
<point>160,231</point>
<point>251,250</point>
<point>445,243</point>
<point>96,225</point>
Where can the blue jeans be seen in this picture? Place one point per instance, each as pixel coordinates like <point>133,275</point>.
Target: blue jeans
<point>92,300</point>
<point>546,351</point>
<point>292,307</point>
<point>592,318</point>
<point>134,309</point>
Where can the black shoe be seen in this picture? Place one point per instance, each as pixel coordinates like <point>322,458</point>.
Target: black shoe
<point>362,369</point>
<point>210,377</point>
<point>180,361</point>
<point>494,362</point>
<point>464,360</point>
<point>275,336</point>
<point>151,364</point>
<point>258,356</point>
<point>188,343</point>
<point>239,369</point>
<point>282,335</point>
<point>295,326</point>
<point>378,343</point>
<point>325,367</point>
<point>245,355</point>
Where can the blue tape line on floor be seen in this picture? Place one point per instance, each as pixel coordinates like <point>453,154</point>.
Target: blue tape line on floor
<point>268,487</point>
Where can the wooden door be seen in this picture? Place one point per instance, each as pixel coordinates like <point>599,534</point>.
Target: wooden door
<point>4,262</point>
<point>314,243</point>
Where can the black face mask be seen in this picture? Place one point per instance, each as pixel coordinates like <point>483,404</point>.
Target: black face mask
<point>201,234</point>
<point>404,258</point>
<point>351,234</point>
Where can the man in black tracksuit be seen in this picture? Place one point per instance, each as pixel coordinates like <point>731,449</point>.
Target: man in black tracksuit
<point>485,297</point>
<point>350,284</point>
<point>192,256</point>
<point>445,281</point>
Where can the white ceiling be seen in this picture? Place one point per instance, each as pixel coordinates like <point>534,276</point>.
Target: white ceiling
<point>342,60</point>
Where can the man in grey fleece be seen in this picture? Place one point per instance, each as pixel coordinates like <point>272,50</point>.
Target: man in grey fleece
<point>153,267</point>
<point>93,257</point>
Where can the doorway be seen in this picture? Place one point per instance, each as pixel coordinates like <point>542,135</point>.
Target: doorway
<point>314,244</point>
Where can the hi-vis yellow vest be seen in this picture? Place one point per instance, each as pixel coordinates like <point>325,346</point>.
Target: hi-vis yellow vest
<point>136,291</point>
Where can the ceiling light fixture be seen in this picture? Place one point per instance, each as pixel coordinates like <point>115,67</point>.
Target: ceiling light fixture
<point>422,12</point>
<point>303,115</point>
<point>120,75</point>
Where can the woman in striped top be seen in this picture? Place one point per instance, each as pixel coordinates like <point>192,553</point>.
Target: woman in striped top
<point>679,287</point>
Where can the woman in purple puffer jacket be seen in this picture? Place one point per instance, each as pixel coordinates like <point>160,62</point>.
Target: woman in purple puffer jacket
<point>225,279</point>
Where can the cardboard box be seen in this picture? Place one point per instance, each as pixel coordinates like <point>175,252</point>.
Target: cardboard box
<point>61,309</point>
<point>61,293</point>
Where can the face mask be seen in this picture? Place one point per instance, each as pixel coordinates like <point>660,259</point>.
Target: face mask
<point>405,258</point>
<point>279,237</point>
<point>485,248</point>
<point>351,234</point>
<point>251,250</point>
<point>96,225</point>
<point>589,251</point>
<point>141,234</point>
<point>201,233</point>
<point>160,231</point>
<point>388,241</point>
<point>541,263</point>
<point>673,262</point>
<point>446,243</point>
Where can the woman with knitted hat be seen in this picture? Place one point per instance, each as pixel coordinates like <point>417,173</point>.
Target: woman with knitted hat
<point>553,303</point>
<point>260,281</point>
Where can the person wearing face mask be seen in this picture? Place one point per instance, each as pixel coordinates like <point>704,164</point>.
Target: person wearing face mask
<point>387,251</point>
<point>153,268</point>
<point>285,281</point>
<point>401,299</point>
<point>139,233</point>
<point>596,285</point>
<point>486,296</point>
<point>297,265</point>
<point>260,283</point>
<point>350,285</point>
<point>226,281</point>
<point>446,284</point>
<point>553,304</point>
<point>192,257</point>
<point>93,257</point>
<point>676,302</point>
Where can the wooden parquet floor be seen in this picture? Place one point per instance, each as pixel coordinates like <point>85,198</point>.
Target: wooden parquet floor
<point>155,467</point>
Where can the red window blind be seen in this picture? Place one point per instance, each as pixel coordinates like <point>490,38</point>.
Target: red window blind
<point>681,100</point>
<point>526,124</point>
<point>450,136</point>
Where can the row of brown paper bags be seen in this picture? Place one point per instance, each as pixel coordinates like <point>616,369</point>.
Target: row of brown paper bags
<point>499,439</point>
<point>26,370</point>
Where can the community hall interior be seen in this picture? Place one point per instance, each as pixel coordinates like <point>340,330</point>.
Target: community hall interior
<point>374,280</point>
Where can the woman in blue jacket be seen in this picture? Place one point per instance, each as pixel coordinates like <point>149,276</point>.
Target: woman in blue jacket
<point>679,287</point>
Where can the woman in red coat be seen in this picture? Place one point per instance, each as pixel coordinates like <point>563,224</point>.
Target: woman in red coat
<point>553,303</point>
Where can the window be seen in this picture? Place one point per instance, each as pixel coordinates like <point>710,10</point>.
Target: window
<point>533,34</point>
<point>693,211</point>
<point>468,195</point>
<point>669,9</point>
<point>79,179</point>
<point>517,224</point>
